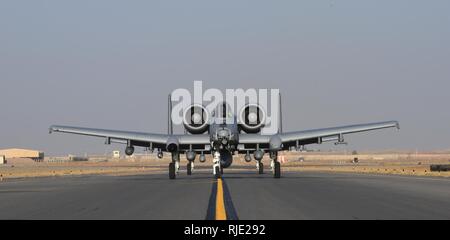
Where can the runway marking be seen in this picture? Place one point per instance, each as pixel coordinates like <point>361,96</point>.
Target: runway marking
<point>211,211</point>
<point>220,204</point>
<point>229,206</point>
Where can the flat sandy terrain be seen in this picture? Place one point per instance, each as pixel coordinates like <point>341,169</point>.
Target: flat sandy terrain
<point>378,163</point>
<point>417,164</point>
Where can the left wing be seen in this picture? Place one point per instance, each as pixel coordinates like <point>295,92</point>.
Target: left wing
<point>315,136</point>
<point>335,133</point>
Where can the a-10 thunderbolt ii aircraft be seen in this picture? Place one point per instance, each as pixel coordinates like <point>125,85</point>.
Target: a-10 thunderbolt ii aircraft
<point>212,133</point>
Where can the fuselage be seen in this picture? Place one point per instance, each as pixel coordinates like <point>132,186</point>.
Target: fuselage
<point>224,134</point>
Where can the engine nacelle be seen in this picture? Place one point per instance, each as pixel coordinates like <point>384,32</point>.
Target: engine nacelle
<point>196,119</point>
<point>275,143</point>
<point>252,118</point>
<point>226,158</point>
<point>172,144</point>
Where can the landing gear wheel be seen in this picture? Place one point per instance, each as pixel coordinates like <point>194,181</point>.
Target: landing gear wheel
<point>260,168</point>
<point>189,168</point>
<point>217,174</point>
<point>172,172</point>
<point>277,170</point>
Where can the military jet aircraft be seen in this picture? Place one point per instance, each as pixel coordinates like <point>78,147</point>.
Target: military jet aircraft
<point>223,134</point>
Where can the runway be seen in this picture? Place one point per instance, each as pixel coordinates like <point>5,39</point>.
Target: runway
<point>241,195</point>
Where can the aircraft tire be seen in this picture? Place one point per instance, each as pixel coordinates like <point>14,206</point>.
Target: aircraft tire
<point>261,168</point>
<point>172,172</point>
<point>189,168</point>
<point>217,175</point>
<point>277,170</point>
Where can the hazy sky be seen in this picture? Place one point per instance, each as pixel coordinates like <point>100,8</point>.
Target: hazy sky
<point>111,64</point>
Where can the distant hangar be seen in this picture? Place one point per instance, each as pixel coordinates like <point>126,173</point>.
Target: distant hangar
<point>13,153</point>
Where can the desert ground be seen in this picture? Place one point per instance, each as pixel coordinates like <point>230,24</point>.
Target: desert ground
<point>397,163</point>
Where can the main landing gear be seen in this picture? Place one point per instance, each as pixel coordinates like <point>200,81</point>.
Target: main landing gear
<point>275,165</point>
<point>260,167</point>
<point>172,173</point>
<point>174,166</point>
<point>190,168</point>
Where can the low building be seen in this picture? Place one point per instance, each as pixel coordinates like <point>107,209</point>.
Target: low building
<point>74,158</point>
<point>12,153</point>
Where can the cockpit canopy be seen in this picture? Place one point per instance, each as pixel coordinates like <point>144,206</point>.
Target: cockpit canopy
<point>223,113</point>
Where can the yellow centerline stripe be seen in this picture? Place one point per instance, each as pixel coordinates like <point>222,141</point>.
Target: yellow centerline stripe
<point>220,202</point>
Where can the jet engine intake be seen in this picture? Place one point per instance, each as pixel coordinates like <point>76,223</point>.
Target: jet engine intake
<point>252,118</point>
<point>196,119</point>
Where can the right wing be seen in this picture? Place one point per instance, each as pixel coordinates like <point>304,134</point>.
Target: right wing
<point>134,138</point>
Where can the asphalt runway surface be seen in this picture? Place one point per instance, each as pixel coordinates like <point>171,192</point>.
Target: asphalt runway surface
<point>240,195</point>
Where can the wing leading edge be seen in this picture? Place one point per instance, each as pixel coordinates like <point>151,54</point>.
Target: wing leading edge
<point>314,136</point>
<point>249,141</point>
<point>336,132</point>
<point>136,138</point>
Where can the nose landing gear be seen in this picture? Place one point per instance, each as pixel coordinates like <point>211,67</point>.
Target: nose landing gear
<point>217,169</point>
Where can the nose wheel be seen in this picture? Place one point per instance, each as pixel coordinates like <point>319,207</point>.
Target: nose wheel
<point>217,169</point>
<point>217,172</point>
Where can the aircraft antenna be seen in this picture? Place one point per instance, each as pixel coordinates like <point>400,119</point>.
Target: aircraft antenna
<point>280,130</point>
<point>169,117</point>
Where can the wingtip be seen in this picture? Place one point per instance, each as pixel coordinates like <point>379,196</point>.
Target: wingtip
<point>397,124</point>
<point>51,129</point>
